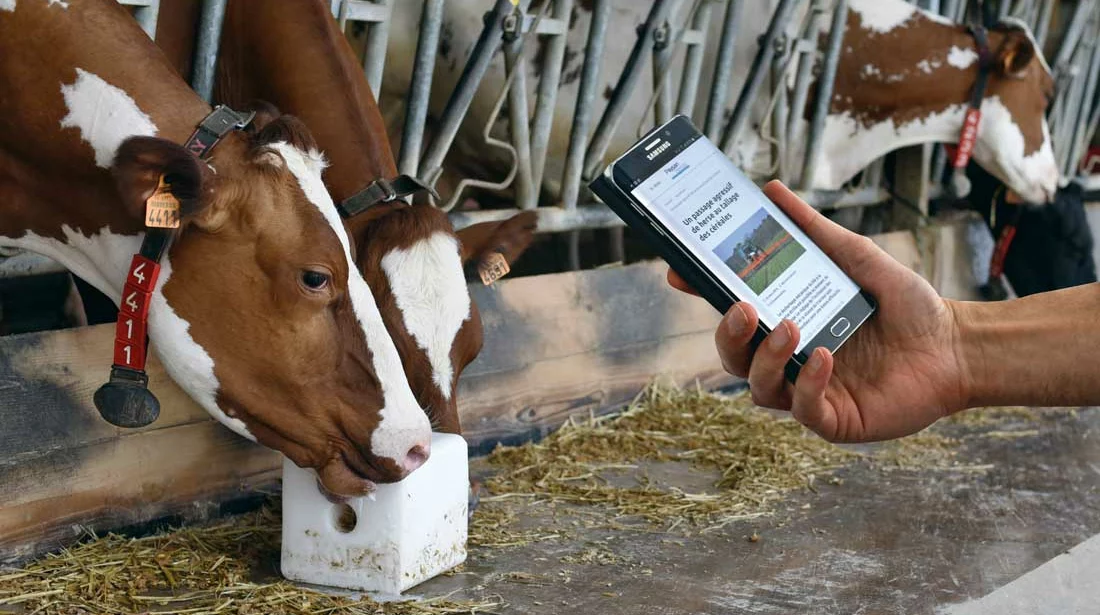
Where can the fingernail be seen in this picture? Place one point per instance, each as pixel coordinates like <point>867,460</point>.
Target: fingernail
<point>781,336</point>
<point>816,362</point>
<point>735,321</point>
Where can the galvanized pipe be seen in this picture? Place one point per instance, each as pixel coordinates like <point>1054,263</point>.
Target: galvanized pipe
<point>463,95</point>
<point>632,71</point>
<point>743,109</point>
<point>1003,8</point>
<point>662,60</point>
<point>525,190</point>
<point>824,94</point>
<point>1042,29</point>
<point>1073,35</point>
<point>374,58</point>
<point>1068,113</point>
<point>25,264</point>
<point>693,60</point>
<point>586,102</point>
<point>780,110</point>
<point>420,91</point>
<point>806,47</point>
<point>206,47</point>
<point>146,14</point>
<point>549,82</point>
<point>950,9</point>
<point>1084,108</point>
<point>723,69</point>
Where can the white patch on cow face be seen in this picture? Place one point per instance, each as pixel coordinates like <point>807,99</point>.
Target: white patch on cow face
<point>184,360</point>
<point>430,289</point>
<point>1000,150</point>
<point>404,423</point>
<point>961,58</point>
<point>105,115</point>
<point>882,16</point>
<point>928,66</point>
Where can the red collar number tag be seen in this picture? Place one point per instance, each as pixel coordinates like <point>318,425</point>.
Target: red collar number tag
<point>162,210</point>
<point>131,329</point>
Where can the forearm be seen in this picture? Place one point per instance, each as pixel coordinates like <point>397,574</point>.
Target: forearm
<point>1039,350</point>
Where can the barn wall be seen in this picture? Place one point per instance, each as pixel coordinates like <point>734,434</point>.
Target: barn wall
<point>556,345</point>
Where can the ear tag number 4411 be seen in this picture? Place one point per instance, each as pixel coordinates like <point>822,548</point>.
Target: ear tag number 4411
<point>162,209</point>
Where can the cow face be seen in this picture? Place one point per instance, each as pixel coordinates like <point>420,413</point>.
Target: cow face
<point>262,317</point>
<point>414,262</point>
<point>1014,138</point>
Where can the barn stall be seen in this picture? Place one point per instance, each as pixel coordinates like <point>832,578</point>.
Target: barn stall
<point>68,472</point>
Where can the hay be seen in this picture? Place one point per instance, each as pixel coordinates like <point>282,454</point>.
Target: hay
<point>195,571</point>
<point>758,457</point>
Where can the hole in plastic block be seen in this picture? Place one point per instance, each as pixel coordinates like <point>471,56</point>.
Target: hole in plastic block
<point>344,518</point>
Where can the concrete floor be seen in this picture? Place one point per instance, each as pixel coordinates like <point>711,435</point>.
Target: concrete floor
<point>880,542</point>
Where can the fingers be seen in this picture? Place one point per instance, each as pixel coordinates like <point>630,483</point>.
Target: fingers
<point>679,284</point>
<point>849,250</point>
<point>733,339</point>
<point>809,406</point>
<point>766,376</point>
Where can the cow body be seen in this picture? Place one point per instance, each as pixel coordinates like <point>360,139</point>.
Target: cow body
<point>259,312</point>
<point>904,79</point>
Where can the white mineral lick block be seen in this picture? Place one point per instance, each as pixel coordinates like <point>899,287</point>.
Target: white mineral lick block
<point>401,535</point>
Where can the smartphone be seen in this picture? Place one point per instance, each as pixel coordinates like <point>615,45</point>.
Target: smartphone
<point>720,233</point>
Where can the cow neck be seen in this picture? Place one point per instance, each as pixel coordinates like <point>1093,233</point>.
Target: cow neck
<point>968,138</point>
<point>125,400</point>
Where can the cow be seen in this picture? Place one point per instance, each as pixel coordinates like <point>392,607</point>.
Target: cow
<point>259,313</point>
<point>904,78</point>
<point>414,261</point>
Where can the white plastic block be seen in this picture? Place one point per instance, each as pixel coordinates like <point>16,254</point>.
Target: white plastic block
<point>401,535</point>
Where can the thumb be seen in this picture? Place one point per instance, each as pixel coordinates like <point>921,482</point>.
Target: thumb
<point>855,254</point>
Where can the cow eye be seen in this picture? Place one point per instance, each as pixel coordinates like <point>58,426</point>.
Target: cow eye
<point>315,280</point>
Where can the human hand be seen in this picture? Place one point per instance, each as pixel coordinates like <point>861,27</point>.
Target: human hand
<point>900,372</point>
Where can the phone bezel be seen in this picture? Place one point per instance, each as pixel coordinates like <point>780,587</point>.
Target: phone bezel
<point>685,262</point>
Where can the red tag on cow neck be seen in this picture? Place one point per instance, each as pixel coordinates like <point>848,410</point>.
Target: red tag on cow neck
<point>131,327</point>
<point>968,138</point>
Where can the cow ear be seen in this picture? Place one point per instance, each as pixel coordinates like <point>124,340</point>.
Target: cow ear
<point>140,163</point>
<point>484,244</point>
<point>265,114</point>
<point>1015,54</point>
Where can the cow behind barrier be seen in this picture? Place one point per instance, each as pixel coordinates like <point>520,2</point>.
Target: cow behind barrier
<point>260,313</point>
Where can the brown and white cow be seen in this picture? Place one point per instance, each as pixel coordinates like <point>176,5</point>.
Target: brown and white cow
<point>260,313</point>
<point>905,77</point>
<point>411,257</point>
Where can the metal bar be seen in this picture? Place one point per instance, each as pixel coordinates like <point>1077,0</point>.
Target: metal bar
<point>146,13</point>
<point>416,115</point>
<point>693,59</point>
<point>723,69</point>
<point>369,11</point>
<point>586,102</point>
<point>596,216</point>
<point>1046,13</point>
<point>206,47</point>
<point>662,60</point>
<point>463,95</point>
<point>378,36</point>
<point>807,47</point>
<point>1072,97</point>
<point>950,9</point>
<point>518,125</point>
<point>757,75</point>
<point>824,94</point>
<point>632,71</point>
<point>552,65</point>
<point>25,264</point>
<point>1077,142</point>
<point>781,108</point>
<point>1073,35</point>
<point>1003,8</point>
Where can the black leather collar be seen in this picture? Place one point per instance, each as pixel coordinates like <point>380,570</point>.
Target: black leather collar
<point>383,191</point>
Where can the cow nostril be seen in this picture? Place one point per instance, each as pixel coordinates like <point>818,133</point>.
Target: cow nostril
<point>416,457</point>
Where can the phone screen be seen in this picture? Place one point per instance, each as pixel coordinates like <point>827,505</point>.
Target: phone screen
<point>744,239</point>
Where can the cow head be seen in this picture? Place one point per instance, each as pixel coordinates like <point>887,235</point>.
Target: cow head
<point>414,262</point>
<point>1014,138</point>
<point>261,315</point>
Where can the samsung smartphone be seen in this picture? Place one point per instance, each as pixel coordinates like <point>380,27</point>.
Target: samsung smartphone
<point>730,242</point>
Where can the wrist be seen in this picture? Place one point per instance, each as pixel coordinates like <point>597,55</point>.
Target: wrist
<point>969,349</point>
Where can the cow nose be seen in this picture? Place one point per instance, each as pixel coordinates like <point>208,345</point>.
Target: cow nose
<point>416,457</point>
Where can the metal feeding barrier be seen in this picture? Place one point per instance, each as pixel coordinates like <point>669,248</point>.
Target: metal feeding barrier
<point>671,27</point>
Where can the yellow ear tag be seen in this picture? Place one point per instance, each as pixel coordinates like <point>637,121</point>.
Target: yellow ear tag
<point>162,210</point>
<point>492,268</point>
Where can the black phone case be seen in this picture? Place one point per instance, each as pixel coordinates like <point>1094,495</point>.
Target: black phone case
<point>692,273</point>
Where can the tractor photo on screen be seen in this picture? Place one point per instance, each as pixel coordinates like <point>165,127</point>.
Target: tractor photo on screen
<point>759,251</point>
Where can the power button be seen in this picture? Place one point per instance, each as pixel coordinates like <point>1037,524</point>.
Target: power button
<point>840,327</point>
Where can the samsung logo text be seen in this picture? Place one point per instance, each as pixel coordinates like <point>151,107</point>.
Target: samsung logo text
<point>658,151</point>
